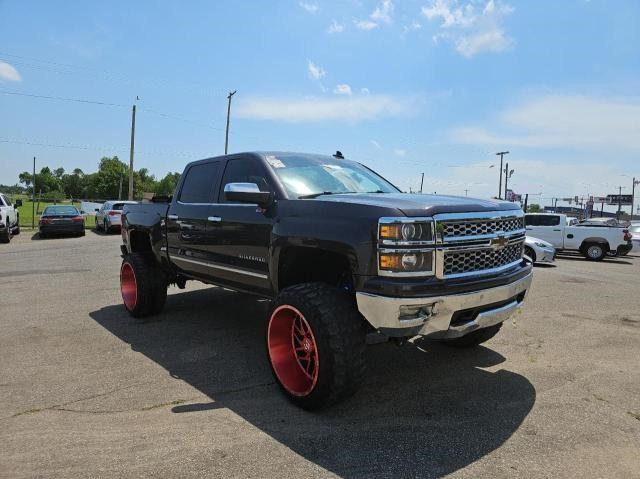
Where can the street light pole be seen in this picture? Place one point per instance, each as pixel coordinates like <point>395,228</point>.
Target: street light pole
<point>133,140</point>
<point>421,183</point>
<point>501,155</point>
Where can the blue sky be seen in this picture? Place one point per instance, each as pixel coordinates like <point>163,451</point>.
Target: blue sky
<point>433,86</point>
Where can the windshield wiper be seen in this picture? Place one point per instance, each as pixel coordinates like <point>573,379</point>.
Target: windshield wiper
<point>377,191</point>
<point>315,195</point>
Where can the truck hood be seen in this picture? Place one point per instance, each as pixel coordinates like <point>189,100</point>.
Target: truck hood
<point>422,205</point>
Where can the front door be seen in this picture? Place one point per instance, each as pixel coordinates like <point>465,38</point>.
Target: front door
<point>240,233</point>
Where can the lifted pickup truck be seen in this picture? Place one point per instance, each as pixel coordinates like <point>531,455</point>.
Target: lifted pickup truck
<point>594,242</point>
<point>344,256</point>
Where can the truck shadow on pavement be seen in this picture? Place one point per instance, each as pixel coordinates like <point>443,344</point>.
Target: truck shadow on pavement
<point>424,410</point>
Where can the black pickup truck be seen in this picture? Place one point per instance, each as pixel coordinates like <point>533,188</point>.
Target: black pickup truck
<point>344,256</point>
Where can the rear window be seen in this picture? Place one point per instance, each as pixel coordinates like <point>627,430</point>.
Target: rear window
<point>60,210</point>
<point>199,182</point>
<point>542,220</point>
<point>118,206</point>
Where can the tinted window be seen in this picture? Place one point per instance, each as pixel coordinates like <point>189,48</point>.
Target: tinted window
<point>3,202</point>
<point>246,170</point>
<point>199,182</point>
<point>542,220</point>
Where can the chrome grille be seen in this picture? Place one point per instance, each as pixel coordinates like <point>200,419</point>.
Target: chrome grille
<point>461,228</point>
<point>477,260</point>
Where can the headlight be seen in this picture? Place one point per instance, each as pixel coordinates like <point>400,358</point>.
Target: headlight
<point>405,263</point>
<point>405,231</point>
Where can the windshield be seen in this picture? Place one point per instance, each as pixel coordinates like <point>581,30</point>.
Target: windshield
<point>60,210</point>
<point>312,175</point>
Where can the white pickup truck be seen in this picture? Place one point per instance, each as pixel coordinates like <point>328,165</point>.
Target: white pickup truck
<point>8,219</point>
<point>594,242</point>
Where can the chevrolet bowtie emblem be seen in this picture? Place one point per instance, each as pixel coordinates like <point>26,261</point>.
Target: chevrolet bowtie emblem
<point>499,242</point>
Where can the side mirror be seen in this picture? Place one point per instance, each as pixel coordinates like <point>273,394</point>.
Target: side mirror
<point>18,203</point>
<point>247,193</point>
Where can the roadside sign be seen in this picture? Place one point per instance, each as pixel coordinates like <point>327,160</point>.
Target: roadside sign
<point>621,199</point>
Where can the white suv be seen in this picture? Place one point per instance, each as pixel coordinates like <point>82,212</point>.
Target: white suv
<point>108,217</point>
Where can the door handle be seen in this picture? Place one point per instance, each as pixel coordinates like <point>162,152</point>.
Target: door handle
<point>172,217</point>
<point>557,230</point>
<point>214,219</point>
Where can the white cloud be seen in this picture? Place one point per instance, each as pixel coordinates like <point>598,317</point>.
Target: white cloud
<point>342,89</point>
<point>335,27</point>
<point>315,71</point>
<point>383,12</point>
<point>565,121</point>
<point>365,91</point>
<point>8,72</point>
<point>365,24</point>
<point>411,27</point>
<point>345,108</point>
<point>400,152</point>
<point>470,29</point>
<point>309,7</point>
<point>376,144</point>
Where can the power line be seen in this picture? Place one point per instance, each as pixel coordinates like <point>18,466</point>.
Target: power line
<point>60,98</point>
<point>103,103</point>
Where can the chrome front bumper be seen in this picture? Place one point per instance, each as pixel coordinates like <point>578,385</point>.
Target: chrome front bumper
<point>433,319</point>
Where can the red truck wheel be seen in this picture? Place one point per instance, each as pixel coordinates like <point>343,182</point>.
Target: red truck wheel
<point>316,343</point>
<point>293,350</point>
<point>143,285</point>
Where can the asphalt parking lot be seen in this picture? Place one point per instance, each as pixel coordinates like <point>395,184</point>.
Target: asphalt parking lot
<point>87,391</point>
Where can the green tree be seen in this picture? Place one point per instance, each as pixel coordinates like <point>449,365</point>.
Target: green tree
<point>106,182</point>
<point>534,208</point>
<point>167,185</point>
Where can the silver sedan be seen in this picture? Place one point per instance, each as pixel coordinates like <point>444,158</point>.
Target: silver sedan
<point>539,251</point>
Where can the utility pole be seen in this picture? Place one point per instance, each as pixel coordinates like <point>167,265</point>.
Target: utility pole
<point>421,183</point>
<point>133,138</point>
<point>501,154</point>
<point>633,194</point>
<point>226,136</point>
<point>466,192</point>
<point>619,202</point>
<point>526,202</point>
<point>120,189</point>
<point>33,196</point>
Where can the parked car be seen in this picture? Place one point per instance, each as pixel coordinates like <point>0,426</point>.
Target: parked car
<point>539,251</point>
<point>343,255</point>
<point>609,222</point>
<point>593,242</point>
<point>108,216</point>
<point>61,220</point>
<point>9,219</point>
<point>634,229</point>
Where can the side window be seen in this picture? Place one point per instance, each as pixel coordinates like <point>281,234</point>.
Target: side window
<point>551,220</point>
<point>199,182</point>
<point>3,202</point>
<point>246,170</point>
<point>532,220</point>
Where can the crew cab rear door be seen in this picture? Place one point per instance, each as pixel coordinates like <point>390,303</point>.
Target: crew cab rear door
<point>546,227</point>
<point>187,218</point>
